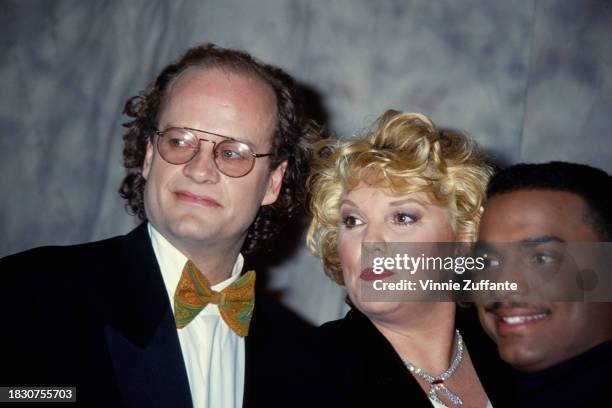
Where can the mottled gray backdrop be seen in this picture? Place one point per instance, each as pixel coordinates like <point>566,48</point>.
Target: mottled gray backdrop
<point>531,80</point>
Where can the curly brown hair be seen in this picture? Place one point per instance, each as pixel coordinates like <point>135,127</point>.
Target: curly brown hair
<point>292,141</point>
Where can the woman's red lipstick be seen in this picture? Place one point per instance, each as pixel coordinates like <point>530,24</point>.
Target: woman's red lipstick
<point>369,275</point>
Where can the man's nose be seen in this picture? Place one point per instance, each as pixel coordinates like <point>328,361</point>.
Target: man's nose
<point>202,167</point>
<point>514,270</point>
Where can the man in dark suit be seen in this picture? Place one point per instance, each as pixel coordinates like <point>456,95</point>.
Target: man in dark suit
<point>539,222</point>
<point>216,154</point>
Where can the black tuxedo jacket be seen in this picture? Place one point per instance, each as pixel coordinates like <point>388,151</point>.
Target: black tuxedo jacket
<point>97,316</point>
<point>371,374</point>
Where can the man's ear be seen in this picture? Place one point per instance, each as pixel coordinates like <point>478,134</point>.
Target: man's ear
<point>274,184</point>
<point>146,165</point>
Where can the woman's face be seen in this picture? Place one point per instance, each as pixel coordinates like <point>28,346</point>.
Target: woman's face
<point>370,214</point>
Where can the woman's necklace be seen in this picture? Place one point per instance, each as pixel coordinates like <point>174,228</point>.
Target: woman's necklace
<point>437,383</point>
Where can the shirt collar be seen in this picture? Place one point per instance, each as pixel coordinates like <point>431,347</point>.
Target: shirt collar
<point>171,262</point>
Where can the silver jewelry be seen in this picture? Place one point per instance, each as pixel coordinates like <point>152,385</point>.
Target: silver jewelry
<point>437,383</point>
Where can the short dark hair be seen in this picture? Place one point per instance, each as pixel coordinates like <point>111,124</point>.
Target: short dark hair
<point>294,135</point>
<point>592,185</point>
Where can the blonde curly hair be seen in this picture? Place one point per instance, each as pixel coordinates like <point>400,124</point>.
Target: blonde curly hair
<point>404,153</point>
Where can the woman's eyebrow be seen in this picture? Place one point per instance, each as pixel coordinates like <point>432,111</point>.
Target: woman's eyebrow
<point>405,201</point>
<point>346,201</point>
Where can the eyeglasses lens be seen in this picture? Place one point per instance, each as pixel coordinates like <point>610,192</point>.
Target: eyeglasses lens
<point>232,158</point>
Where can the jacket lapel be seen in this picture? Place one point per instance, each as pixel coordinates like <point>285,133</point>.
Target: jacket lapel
<point>386,381</point>
<point>141,336</point>
<point>281,358</point>
<point>249,395</point>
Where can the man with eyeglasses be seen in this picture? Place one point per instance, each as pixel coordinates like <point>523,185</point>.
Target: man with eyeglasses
<point>216,153</point>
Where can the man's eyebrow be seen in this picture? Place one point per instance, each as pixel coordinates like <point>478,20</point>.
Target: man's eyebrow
<point>531,241</point>
<point>542,239</point>
<point>171,125</point>
<point>485,246</point>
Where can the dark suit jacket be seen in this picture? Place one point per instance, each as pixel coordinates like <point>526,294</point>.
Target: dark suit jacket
<point>583,381</point>
<point>371,374</point>
<point>97,316</point>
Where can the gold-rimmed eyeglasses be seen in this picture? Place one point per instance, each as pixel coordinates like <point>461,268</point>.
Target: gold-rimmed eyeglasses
<point>179,145</point>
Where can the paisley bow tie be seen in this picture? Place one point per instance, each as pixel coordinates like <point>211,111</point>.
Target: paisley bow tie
<point>235,302</point>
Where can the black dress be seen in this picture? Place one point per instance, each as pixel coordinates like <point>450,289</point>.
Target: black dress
<point>369,373</point>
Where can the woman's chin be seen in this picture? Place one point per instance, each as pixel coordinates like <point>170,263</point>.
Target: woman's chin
<point>378,310</point>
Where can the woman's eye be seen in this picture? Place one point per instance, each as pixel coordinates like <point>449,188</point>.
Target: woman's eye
<point>351,221</point>
<point>404,218</point>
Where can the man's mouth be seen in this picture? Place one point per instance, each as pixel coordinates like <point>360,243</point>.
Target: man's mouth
<point>192,198</point>
<point>515,320</point>
<point>514,317</point>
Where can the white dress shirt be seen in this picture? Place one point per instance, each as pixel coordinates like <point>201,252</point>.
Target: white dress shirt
<point>213,353</point>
